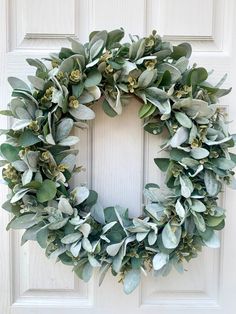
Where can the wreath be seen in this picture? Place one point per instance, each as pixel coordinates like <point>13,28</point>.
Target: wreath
<point>39,157</point>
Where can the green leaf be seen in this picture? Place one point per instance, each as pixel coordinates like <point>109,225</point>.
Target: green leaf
<point>113,249</point>
<point>159,260</point>
<point>16,83</point>
<point>199,222</point>
<point>6,113</point>
<point>182,50</point>
<point>87,272</point>
<point>78,89</point>
<point>93,261</point>
<point>23,222</point>
<point>30,233</point>
<point>152,237</point>
<point>59,224</point>
<point>87,246</point>
<point>19,194</point>
<point>212,185</point>
<point>42,236</point>
<point>178,154</point>
<point>213,221</point>
<point>20,124</point>
<point>80,194</point>
<point>71,238</point>
<point>82,113</point>
<point>198,206</point>
<point>199,153</point>
<point>37,82</point>
<point>77,47</point>
<point>38,64</point>
<point>65,207</point>
<point>94,77</point>
<point>96,48</point>
<point>69,141</point>
<point>183,119</point>
<point>47,191</point>
<point>197,76</point>
<point>171,236</point>
<point>186,186</point>
<point>195,108</point>
<point>137,49</point>
<point>75,248</point>
<point>213,242</point>
<point>10,152</point>
<point>132,280</point>
<point>182,64</point>
<point>146,110</point>
<point>31,158</point>
<point>28,138</point>
<point>97,213</point>
<point>66,65</point>
<point>179,209</point>
<point>146,78</point>
<point>162,163</point>
<point>108,109</point>
<point>224,163</point>
<point>64,128</point>
<point>114,36</point>
<point>20,165</point>
<point>27,176</point>
<point>179,137</point>
<point>175,73</point>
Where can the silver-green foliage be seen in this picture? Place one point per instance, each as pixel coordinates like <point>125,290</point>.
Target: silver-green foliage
<point>39,161</point>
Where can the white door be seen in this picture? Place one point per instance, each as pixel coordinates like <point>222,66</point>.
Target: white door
<point>118,157</point>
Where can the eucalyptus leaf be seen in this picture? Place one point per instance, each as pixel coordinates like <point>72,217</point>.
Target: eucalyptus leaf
<point>162,163</point>
<point>93,78</point>
<point>9,152</point>
<point>47,191</point>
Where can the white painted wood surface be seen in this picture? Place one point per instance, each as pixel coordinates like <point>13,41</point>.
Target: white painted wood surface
<point>118,157</point>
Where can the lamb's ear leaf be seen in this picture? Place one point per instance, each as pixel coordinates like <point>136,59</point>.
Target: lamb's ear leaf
<point>171,236</point>
<point>159,260</point>
<point>132,280</point>
<point>17,83</point>
<point>114,36</point>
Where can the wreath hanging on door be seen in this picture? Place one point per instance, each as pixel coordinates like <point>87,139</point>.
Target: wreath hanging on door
<point>39,157</point>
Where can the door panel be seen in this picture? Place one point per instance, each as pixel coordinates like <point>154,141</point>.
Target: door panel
<point>117,155</point>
